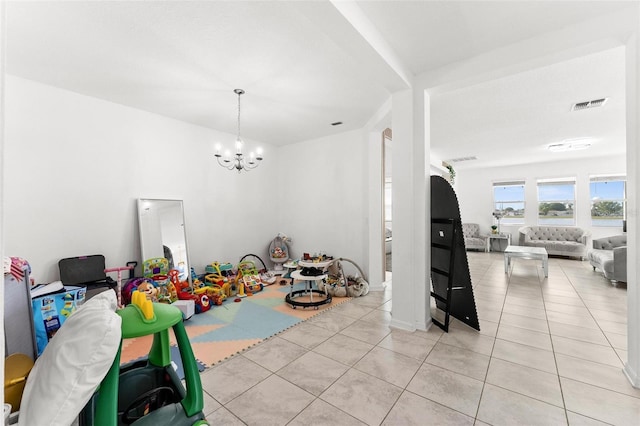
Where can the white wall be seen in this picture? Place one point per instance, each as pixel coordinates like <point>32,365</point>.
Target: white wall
<point>75,165</point>
<point>474,188</point>
<point>323,193</point>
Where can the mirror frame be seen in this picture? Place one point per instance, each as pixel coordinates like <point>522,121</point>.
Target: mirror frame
<point>142,205</point>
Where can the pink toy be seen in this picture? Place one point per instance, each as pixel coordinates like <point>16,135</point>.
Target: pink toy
<point>119,290</point>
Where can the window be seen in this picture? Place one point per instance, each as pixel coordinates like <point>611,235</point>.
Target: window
<point>608,201</point>
<point>508,199</point>
<point>556,201</point>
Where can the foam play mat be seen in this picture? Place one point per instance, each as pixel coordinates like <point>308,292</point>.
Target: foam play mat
<point>235,326</point>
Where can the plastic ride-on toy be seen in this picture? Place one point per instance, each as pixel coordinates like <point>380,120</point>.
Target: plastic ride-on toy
<point>148,392</point>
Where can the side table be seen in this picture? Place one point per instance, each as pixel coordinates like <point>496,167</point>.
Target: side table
<point>497,237</point>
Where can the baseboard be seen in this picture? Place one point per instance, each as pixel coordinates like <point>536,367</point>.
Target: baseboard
<point>380,287</point>
<point>402,325</point>
<point>425,326</point>
<point>632,376</point>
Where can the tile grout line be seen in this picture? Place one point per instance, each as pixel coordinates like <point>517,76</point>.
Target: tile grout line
<point>486,374</point>
<point>610,346</point>
<point>555,359</point>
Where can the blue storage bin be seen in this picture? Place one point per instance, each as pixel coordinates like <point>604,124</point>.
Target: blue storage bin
<point>52,310</point>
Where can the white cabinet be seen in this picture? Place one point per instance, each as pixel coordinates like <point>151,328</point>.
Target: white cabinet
<point>19,335</point>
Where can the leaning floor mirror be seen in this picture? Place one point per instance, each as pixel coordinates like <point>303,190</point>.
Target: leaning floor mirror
<point>162,233</point>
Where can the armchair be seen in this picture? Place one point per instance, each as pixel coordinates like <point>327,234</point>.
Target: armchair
<point>609,254</point>
<point>388,238</point>
<point>472,238</point>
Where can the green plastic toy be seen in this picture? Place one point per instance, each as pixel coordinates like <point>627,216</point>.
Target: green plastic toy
<point>149,392</point>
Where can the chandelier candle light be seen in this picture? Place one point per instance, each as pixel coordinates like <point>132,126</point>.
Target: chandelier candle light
<point>238,161</point>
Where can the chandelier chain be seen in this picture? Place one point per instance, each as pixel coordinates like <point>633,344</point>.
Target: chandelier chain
<point>239,93</point>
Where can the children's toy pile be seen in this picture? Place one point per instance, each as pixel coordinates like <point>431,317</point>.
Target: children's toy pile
<point>225,330</point>
<point>236,309</point>
<point>219,282</point>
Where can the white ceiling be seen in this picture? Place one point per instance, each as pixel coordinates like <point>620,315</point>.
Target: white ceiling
<point>305,65</point>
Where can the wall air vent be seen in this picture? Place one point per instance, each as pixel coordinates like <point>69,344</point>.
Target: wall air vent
<point>589,104</point>
<point>459,159</point>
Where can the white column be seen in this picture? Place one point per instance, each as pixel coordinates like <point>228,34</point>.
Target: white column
<point>422,218</point>
<point>410,283</point>
<point>632,366</point>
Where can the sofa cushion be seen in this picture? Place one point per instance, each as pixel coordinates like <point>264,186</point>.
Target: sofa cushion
<point>553,233</point>
<point>568,247</point>
<point>475,242</point>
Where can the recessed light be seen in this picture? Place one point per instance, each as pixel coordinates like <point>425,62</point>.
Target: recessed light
<point>336,123</point>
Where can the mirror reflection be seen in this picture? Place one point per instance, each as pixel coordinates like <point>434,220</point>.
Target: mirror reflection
<point>162,233</point>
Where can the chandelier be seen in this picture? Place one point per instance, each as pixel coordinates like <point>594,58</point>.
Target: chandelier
<point>238,161</point>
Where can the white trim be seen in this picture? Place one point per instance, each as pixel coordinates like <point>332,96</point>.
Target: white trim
<point>632,376</point>
<point>370,33</point>
<point>402,325</point>
<point>426,325</point>
<point>556,181</point>
<point>379,287</point>
<point>608,178</point>
<point>510,182</point>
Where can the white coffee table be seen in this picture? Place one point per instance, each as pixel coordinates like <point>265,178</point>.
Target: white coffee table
<point>524,252</point>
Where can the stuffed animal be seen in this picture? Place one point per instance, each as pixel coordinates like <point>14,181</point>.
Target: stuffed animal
<point>340,291</point>
<point>149,290</point>
<point>357,286</point>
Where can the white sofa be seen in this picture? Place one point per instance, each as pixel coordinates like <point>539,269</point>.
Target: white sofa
<point>609,254</point>
<point>472,238</point>
<point>557,240</point>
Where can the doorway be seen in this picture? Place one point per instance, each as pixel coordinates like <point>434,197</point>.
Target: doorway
<point>387,199</point>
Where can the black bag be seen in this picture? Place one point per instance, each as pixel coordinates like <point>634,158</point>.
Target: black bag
<point>83,270</point>
<point>87,271</point>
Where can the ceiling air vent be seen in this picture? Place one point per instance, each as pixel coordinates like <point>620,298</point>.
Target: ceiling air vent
<point>457,160</point>
<point>589,104</point>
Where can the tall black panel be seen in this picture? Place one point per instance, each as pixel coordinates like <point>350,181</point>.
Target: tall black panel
<point>450,277</point>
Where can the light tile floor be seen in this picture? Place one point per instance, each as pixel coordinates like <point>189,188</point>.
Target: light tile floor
<point>550,352</point>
